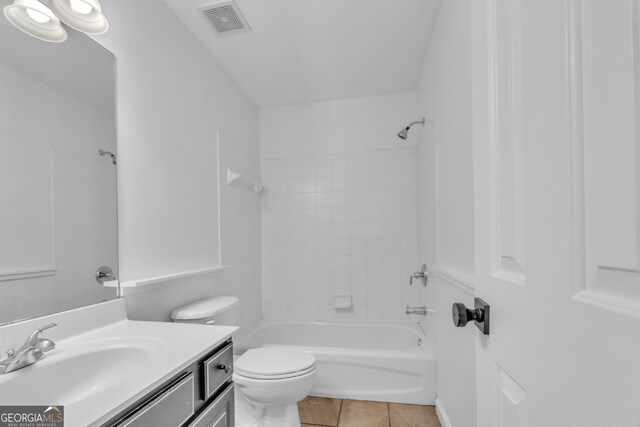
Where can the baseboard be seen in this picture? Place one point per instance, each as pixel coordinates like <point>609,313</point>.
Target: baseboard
<point>442,415</point>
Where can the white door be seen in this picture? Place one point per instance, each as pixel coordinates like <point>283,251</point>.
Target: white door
<point>557,190</point>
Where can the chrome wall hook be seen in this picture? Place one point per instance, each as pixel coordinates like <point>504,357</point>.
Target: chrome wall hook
<point>233,177</point>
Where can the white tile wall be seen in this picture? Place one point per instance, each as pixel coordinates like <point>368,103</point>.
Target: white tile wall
<point>335,223</point>
<point>340,214</point>
<point>427,214</point>
<point>85,227</point>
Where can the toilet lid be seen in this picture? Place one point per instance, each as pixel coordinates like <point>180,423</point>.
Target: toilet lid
<point>274,363</point>
<point>205,308</point>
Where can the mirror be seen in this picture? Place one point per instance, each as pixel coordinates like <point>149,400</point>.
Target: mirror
<point>58,216</point>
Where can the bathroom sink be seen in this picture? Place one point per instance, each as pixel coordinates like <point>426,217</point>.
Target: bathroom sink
<point>67,375</point>
<point>102,363</point>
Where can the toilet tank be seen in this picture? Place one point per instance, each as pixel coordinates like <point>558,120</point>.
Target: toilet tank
<point>211,311</point>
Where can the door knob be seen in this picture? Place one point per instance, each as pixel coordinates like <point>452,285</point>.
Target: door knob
<point>461,315</point>
<point>479,314</point>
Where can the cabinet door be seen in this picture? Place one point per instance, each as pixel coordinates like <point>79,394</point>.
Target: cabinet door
<point>173,406</point>
<point>219,413</point>
<point>218,370</point>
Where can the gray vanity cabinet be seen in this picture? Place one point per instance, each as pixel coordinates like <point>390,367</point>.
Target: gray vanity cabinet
<point>172,406</point>
<point>201,395</point>
<point>217,370</point>
<point>220,413</point>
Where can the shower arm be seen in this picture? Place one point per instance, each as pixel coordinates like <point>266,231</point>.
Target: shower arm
<point>108,153</point>
<point>404,133</point>
<point>417,122</point>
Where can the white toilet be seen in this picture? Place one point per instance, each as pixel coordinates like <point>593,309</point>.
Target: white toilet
<point>269,381</point>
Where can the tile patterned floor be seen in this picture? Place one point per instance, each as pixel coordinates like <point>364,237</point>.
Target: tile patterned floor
<point>324,412</point>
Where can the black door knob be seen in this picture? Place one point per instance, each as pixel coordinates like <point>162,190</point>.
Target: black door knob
<point>480,314</point>
<point>462,315</point>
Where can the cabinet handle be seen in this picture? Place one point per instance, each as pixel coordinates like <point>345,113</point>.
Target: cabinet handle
<point>225,368</point>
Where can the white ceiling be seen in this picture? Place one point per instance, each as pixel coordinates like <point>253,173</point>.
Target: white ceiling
<point>304,51</point>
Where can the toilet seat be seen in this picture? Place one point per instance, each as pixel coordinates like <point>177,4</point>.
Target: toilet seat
<point>274,364</point>
<point>275,377</point>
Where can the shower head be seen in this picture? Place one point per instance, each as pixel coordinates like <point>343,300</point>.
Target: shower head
<point>404,133</point>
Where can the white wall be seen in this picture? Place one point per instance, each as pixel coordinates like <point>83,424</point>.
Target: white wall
<point>240,247</point>
<point>446,204</point>
<point>173,97</point>
<point>241,226</point>
<point>340,213</point>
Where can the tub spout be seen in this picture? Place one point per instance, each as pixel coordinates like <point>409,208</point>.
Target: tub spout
<point>421,310</point>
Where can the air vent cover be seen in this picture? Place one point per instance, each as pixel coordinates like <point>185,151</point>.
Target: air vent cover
<point>226,18</point>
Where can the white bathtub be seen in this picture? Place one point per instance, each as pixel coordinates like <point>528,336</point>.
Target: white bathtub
<point>383,362</point>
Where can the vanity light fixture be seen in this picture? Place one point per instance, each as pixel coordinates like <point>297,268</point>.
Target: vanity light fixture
<point>41,19</point>
<point>35,19</point>
<point>82,15</point>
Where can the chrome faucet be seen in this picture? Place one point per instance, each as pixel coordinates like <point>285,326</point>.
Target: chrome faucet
<point>422,275</point>
<point>422,310</point>
<point>31,351</point>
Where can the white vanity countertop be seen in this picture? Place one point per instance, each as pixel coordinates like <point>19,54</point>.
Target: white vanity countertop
<point>136,357</point>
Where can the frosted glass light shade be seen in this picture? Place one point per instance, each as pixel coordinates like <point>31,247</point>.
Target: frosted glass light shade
<point>82,15</point>
<point>35,19</point>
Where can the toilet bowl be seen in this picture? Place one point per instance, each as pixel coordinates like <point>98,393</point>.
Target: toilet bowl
<point>268,381</point>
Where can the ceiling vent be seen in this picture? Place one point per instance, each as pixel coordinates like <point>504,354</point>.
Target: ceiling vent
<point>226,18</point>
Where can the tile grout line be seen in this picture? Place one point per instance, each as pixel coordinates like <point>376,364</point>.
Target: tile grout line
<point>339,412</point>
<point>389,413</point>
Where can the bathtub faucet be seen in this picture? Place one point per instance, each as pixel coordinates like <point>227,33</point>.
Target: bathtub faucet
<point>422,310</point>
<point>422,275</point>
